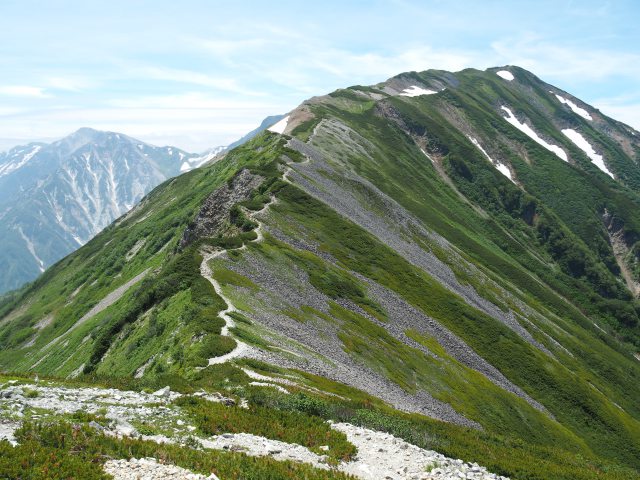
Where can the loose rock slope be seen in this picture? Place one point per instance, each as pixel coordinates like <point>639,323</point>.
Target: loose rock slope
<point>380,455</point>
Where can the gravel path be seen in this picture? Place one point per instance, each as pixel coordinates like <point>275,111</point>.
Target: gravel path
<point>242,349</point>
<point>7,429</point>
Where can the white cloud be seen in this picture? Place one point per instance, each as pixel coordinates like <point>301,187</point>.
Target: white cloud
<point>347,65</point>
<point>6,111</point>
<point>165,123</point>
<point>22,91</point>
<point>193,78</point>
<point>626,112</point>
<point>312,69</point>
<point>70,83</point>
<point>573,63</point>
<point>189,101</point>
<point>225,48</point>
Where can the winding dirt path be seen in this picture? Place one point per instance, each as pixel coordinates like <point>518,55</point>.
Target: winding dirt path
<point>206,271</point>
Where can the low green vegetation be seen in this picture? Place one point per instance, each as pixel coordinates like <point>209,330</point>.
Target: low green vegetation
<point>501,453</point>
<point>49,451</point>
<point>229,277</point>
<point>538,250</point>
<point>286,426</point>
<point>567,394</point>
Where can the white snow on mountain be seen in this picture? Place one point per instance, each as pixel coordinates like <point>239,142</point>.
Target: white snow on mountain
<point>280,126</point>
<point>526,129</point>
<point>586,147</point>
<point>195,162</point>
<point>20,160</point>
<point>414,91</point>
<point>507,75</point>
<point>501,167</point>
<point>576,109</point>
<point>71,190</point>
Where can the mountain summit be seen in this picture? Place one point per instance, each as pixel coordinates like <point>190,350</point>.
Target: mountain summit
<point>55,197</point>
<point>451,258</point>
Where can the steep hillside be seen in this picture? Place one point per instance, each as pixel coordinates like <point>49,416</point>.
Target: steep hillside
<point>448,257</point>
<point>54,198</point>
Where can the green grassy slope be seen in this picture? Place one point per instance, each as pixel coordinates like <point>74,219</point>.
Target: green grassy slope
<point>537,249</point>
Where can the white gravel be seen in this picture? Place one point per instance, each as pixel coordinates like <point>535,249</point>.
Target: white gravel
<point>7,429</point>
<point>379,456</point>
<point>150,469</point>
<point>256,446</point>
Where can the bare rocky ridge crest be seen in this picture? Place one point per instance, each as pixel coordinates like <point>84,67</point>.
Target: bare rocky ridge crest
<point>213,217</point>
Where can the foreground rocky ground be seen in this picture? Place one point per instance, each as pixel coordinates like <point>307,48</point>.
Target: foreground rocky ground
<point>379,455</point>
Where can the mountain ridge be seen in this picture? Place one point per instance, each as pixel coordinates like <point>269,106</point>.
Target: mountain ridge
<point>376,252</point>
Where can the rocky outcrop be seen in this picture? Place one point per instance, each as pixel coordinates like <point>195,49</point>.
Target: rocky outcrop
<point>621,246</point>
<point>213,218</point>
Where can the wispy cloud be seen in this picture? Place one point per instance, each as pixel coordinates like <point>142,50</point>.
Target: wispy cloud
<point>188,101</point>
<point>224,48</point>
<point>194,78</point>
<point>165,121</point>
<point>193,67</point>
<point>23,91</point>
<point>70,83</point>
<point>625,108</point>
<point>532,52</point>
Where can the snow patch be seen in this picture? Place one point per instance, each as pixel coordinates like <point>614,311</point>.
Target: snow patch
<point>523,127</point>
<point>280,126</point>
<point>586,147</point>
<point>501,167</point>
<point>415,91</point>
<point>576,109</point>
<point>506,74</point>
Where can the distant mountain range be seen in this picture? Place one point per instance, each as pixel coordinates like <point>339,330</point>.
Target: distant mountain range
<point>55,197</point>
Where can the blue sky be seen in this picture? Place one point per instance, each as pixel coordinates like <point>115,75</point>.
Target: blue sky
<point>197,74</point>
